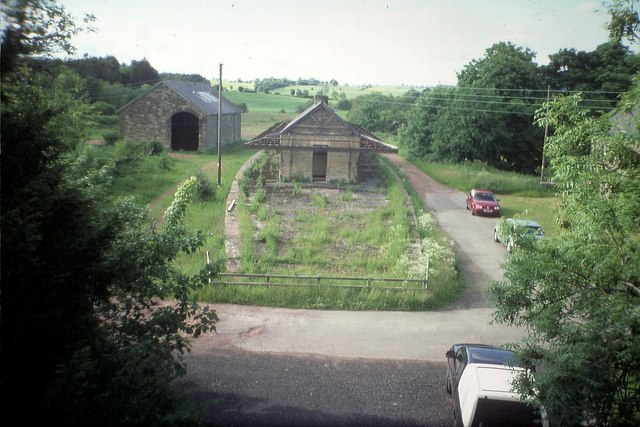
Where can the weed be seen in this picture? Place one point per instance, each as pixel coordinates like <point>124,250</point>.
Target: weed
<point>297,189</point>
<point>205,190</point>
<point>346,196</point>
<point>319,199</point>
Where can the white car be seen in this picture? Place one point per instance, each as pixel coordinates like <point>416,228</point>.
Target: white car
<point>480,379</point>
<point>511,232</point>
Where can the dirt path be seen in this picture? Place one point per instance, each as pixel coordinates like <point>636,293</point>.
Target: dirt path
<point>208,168</point>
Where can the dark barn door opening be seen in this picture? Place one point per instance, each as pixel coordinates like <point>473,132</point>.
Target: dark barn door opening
<point>319,168</point>
<point>184,132</point>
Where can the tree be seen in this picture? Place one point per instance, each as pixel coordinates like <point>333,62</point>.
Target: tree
<point>95,319</point>
<point>605,73</point>
<point>36,27</point>
<point>417,134</point>
<point>141,72</point>
<point>624,22</point>
<point>488,117</point>
<point>377,112</point>
<point>578,292</point>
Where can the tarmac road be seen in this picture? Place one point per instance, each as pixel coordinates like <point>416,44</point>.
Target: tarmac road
<point>269,366</point>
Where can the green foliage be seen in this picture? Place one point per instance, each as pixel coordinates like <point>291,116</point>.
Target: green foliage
<point>608,69</point>
<point>417,134</point>
<point>297,189</point>
<point>85,273</point>
<point>104,108</point>
<point>378,112</point>
<point>128,150</point>
<point>578,291</point>
<point>625,21</point>
<point>346,196</point>
<point>467,175</point>
<point>488,116</point>
<point>319,199</point>
<point>111,137</point>
<point>205,190</point>
<point>243,184</point>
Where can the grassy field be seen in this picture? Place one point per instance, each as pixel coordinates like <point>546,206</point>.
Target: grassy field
<point>268,103</point>
<point>348,90</point>
<point>256,122</point>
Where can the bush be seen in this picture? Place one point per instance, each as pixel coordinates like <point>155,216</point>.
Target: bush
<point>126,150</point>
<point>343,104</point>
<point>205,190</point>
<point>154,147</point>
<point>106,120</point>
<point>111,137</point>
<point>104,108</point>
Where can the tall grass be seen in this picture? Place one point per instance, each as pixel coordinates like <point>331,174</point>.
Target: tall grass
<point>467,175</point>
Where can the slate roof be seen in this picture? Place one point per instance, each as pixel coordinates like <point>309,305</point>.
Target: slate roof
<point>200,95</point>
<point>270,138</point>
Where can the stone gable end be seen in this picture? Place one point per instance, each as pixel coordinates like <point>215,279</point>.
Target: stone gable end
<point>148,118</point>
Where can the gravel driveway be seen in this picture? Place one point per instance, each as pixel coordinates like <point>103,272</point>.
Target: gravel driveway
<point>272,367</point>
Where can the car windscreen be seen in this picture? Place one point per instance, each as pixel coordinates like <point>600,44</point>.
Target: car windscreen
<point>493,356</point>
<point>534,231</point>
<point>485,196</point>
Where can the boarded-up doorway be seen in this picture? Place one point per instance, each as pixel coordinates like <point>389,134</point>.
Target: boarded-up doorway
<point>184,131</point>
<point>319,168</point>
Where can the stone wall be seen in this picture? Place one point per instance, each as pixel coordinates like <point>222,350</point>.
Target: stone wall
<point>341,165</point>
<point>149,118</point>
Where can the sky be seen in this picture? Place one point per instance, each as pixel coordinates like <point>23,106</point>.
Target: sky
<point>378,42</point>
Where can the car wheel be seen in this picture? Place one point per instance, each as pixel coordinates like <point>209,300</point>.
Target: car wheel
<point>495,235</point>
<point>448,386</point>
<point>466,205</point>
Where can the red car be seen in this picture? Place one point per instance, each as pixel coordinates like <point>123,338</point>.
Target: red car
<point>483,202</point>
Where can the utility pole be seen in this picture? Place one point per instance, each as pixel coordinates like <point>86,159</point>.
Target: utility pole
<point>219,124</point>
<point>546,132</point>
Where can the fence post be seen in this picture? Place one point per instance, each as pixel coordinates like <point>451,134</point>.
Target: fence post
<point>369,282</point>
<point>426,276</point>
<point>209,263</point>
<point>318,279</point>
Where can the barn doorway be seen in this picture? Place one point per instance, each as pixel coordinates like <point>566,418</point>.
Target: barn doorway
<point>319,168</point>
<point>184,131</point>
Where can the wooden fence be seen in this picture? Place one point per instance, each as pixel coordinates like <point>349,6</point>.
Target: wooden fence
<point>333,281</point>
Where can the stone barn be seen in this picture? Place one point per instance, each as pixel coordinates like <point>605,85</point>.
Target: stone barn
<point>319,145</point>
<point>181,115</point>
